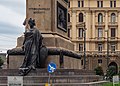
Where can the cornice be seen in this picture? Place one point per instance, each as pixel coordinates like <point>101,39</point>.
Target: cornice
<point>106,9</point>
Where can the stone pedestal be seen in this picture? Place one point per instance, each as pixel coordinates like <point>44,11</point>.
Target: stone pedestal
<point>15,61</point>
<point>47,15</point>
<point>51,20</point>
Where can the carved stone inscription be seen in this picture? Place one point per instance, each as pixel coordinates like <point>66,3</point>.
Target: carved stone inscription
<point>39,10</point>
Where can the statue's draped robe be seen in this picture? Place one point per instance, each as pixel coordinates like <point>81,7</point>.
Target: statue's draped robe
<point>31,46</point>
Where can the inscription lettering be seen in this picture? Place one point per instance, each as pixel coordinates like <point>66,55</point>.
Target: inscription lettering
<point>39,10</point>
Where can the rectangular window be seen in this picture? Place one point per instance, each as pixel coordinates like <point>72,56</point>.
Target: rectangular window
<point>68,32</point>
<point>80,32</point>
<point>110,3</point>
<point>82,3</point>
<point>69,4</point>
<point>113,32</point>
<point>112,47</point>
<point>100,33</point>
<point>78,3</point>
<point>99,60</point>
<point>80,47</point>
<point>100,47</point>
<point>113,18</point>
<point>114,3</point>
<point>82,62</point>
<point>99,3</point>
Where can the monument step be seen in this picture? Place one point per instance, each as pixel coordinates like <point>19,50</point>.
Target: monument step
<point>99,83</point>
<point>39,77</point>
<point>57,79</point>
<point>41,72</point>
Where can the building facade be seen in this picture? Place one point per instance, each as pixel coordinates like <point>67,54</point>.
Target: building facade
<point>94,28</point>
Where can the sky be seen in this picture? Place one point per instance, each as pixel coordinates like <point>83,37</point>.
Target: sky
<point>12,16</point>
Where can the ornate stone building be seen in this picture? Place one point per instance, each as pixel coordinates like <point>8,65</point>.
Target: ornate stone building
<point>100,20</point>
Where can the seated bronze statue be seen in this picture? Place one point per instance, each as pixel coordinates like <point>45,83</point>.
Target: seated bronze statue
<point>35,51</point>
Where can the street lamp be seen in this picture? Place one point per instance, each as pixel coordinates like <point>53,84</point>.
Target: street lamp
<point>84,30</point>
<point>107,47</point>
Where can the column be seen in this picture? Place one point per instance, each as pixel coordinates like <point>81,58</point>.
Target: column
<point>93,24</point>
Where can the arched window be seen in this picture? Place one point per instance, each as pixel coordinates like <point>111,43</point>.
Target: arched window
<point>68,17</point>
<point>113,17</point>
<point>80,17</point>
<point>100,18</point>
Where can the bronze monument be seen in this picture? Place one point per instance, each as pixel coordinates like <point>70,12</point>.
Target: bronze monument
<point>32,46</point>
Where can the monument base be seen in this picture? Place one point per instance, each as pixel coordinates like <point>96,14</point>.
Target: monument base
<point>51,40</point>
<point>61,77</point>
<point>15,61</point>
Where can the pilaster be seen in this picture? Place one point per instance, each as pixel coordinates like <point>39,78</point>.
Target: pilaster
<point>118,24</point>
<point>88,28</point>
<point>74,18</point>
<point>118,32</point>
<point>93,24</point>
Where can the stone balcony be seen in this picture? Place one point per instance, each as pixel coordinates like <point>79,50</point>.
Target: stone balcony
<point>112,24</point>
<point>100,24</point>
<point>99,53</point>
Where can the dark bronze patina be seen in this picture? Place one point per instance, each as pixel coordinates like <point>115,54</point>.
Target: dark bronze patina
<point>35,52</point>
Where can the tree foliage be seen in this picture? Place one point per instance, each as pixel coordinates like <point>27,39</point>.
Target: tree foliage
<point>1,62</point>
<point>111,71</point>
<point>99,71</point>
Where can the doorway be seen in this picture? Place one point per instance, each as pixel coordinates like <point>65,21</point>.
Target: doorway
<point>114,65</point>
